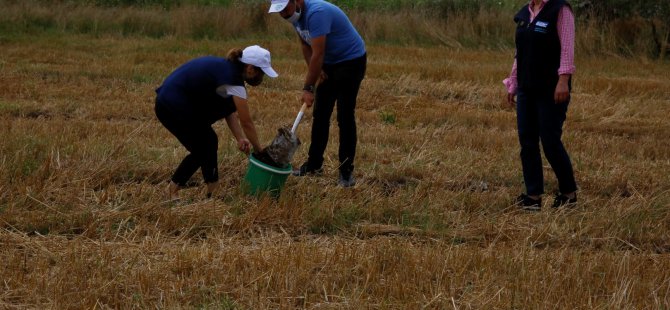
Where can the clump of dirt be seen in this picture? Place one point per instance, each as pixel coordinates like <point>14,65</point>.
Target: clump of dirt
<point>280,152</point>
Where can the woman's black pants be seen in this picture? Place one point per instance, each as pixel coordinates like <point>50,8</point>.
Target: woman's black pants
<point>539,118</point>
<point>201,142</point>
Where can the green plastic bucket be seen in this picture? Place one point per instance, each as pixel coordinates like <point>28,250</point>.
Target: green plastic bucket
<point>262,178</point>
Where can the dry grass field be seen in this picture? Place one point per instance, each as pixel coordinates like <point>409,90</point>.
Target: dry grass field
<point>84,221</point>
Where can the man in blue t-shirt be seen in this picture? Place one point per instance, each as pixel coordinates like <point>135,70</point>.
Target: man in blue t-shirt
<point>336,59</point>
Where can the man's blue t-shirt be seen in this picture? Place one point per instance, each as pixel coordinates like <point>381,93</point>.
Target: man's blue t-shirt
<point>190,92</point>
<point>323,18</point>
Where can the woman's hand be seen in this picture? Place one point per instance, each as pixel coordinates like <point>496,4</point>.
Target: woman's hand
<point>244,129</point>
<point>244,145</point>
<point>511,102</point>
<point>562,93</point>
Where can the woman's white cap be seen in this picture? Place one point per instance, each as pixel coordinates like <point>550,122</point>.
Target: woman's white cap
<point>259,57</point>
<point>277,5</point>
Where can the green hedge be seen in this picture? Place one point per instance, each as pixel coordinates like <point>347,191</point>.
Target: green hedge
<point>625,27</point>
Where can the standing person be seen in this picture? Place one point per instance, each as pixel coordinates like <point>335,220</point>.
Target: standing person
<point>541,80</point>
<point>336,59</point>
<point>201,92</point>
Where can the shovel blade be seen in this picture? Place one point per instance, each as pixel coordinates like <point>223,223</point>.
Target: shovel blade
<point>283,147</point>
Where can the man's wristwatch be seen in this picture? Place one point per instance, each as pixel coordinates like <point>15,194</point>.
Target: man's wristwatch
<point>309,88</point>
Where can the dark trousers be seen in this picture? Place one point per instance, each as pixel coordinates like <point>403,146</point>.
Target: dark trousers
<point>539,118</point>
<point>199,139</point>
<point>341,87</point>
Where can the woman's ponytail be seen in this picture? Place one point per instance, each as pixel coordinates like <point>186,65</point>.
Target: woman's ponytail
<point>234,55</point>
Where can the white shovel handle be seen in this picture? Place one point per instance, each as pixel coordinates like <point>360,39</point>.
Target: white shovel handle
<point>299,117</point>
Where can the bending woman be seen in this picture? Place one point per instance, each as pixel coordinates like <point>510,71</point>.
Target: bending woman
<point>201,92</point>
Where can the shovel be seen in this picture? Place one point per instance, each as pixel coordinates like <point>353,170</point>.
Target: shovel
<point>298,118</point>
<point>284,145</point>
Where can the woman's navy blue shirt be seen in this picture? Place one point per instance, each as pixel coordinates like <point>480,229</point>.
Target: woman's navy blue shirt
<point>190,92</point>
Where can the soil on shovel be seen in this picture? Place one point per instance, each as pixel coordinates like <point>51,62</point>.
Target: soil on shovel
<point>280,152</point>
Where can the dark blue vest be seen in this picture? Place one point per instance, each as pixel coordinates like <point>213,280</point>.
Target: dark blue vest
<point>538,48</point>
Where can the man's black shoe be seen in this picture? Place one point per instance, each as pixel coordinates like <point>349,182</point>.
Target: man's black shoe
<point>528,204</point>
<point>564,201</point>
<point>305,169</point>
<point>346,179</point>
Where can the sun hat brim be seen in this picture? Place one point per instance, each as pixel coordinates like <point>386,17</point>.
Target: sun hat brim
<point>277,7</point>
<point>270,72</point>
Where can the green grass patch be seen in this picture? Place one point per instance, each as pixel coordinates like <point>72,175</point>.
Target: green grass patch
<point>9,108</point>
<point>325,221</point>
<point>388,117</point>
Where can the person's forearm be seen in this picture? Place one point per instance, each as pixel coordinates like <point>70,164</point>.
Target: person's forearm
<point>314,70</point>
<point>246,122</point>
<point>306,52</point>
<point>564,78</point>
<point>511,81</point>
<point>250,131</point>
<point>316,53</point>
<point>234,124</point>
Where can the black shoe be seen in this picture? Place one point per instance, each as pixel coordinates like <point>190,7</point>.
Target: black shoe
<point>346,179</point>
<point>563,201</point>
<point>305,169</point>
<point>528,204</point>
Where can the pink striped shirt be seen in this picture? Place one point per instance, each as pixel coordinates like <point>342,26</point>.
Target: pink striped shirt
<point>566,34</point>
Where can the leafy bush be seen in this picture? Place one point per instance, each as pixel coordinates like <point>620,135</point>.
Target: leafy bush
<point>613,9</point>
<point>625,27</point>
<point>634,15</point>
<point>167,4</point>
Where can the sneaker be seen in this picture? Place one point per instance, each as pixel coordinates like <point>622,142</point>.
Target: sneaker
<point>305,169</point>
<point>563,201</point>
<point>528,204</point>
<point>346,179</point>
